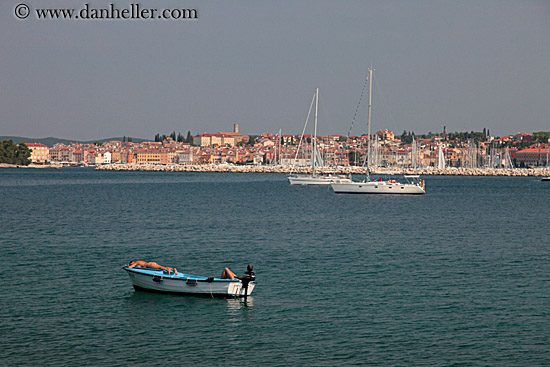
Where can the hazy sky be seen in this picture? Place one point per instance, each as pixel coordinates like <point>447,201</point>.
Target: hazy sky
<point>468,65</point>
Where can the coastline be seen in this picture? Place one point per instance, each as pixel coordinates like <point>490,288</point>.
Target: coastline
<point>7,165</point>
<point>429,171</point>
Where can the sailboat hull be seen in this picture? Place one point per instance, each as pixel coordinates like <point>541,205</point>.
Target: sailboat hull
<point>378,187</point>
<point>317,179</point>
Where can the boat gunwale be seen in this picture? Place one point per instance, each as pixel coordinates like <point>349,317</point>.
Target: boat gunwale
<point>198,278</point>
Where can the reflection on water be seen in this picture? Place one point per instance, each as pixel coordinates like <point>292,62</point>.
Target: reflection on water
<point>239,303</point>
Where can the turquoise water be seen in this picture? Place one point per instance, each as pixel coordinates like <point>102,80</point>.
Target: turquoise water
<point>460,276</point>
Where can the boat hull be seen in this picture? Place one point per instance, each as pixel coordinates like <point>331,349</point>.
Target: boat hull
<point>384,187</point>
<point>316,180</point>
<point>153,280</point>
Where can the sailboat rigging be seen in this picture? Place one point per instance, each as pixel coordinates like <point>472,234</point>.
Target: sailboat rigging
<point>413,186</point>
<point>316,160</point>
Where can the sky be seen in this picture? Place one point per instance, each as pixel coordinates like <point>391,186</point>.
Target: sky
<point>466,65</point>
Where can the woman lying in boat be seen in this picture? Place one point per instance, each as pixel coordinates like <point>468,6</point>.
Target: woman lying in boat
<point>228,274</point>
<point>151,265</point>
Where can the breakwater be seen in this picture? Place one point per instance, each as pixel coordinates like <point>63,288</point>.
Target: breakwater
<point>9,165</point>
<point>451,171</point>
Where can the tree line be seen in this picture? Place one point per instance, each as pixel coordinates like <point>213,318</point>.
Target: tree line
<point>179,137</point>
<point>12,153</point>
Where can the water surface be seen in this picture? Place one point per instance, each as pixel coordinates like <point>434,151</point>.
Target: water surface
<point>459,276</point>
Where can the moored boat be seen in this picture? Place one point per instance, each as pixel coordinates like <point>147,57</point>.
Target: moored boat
<point>380,187</point>
<point>315,178</point>
<point>154,280</point>
<point>415,186</point>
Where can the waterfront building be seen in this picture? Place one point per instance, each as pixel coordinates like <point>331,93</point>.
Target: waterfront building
<point>39,152</point>
<point>144,156</point>
<point>116,156</point>
<point>54,154</point>
<point>96,158</point>
<point>107,157</point>
<point>186,157</point>
<point>77,156</point>
<point>402,158</point>
<point>535,155</point>
<point>167,156</point>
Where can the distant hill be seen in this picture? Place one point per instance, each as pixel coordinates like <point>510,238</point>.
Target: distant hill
<point>50,141</point>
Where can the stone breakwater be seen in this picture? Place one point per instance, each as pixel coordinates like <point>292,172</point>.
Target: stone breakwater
<point>522,172</point>
<point>7,165</point>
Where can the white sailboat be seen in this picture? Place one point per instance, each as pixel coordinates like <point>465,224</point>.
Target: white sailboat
<point>440,158</point>
<point>315,178</point>
<point>414,186</point>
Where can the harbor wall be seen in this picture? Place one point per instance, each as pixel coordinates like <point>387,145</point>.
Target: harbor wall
<point>521,172</point>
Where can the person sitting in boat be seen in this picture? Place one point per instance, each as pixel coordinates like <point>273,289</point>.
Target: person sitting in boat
<point>151,265</point>
<point>228,274</point>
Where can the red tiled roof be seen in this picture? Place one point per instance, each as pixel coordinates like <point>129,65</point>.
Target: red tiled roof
<point>37,145</point>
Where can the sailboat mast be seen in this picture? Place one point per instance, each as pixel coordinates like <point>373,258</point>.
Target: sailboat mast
<point>314,152</point>
<point>368,121</point>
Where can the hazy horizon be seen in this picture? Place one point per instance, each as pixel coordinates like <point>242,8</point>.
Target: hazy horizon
<point>465,65</point>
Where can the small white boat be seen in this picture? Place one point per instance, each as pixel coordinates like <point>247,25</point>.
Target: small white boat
<point>546,178</point>
<point>154,280</point>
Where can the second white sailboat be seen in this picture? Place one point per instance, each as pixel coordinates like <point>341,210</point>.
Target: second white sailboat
<point>315,178</point>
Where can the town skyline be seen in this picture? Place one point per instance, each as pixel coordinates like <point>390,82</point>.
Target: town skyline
<point>52,140</point>
<point>467,150</point>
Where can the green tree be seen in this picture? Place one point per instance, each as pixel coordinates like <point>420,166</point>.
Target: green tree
<point>354,158</point>
<point>14,154</point>
<point>541,137</point>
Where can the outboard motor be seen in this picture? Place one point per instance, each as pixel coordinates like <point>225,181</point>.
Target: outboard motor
<point>246,278</point>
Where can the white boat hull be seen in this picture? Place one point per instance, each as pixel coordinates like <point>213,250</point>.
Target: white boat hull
<point>378,187</point>
<point>160,281</point>
<point>316,180</point>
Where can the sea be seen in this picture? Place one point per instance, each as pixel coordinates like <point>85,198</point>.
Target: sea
<point>457,277</point>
